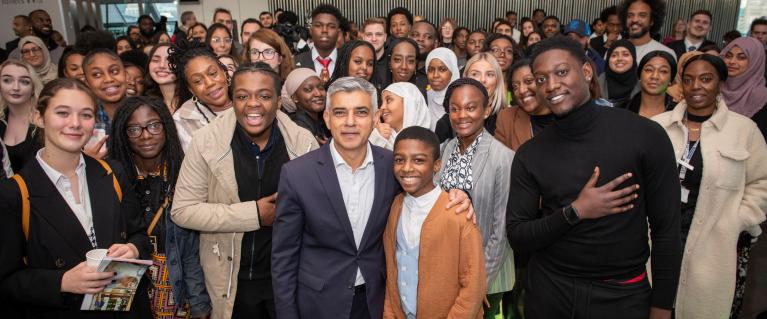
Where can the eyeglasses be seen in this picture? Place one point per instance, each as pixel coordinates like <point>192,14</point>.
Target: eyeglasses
<point>217,40</point>
<point>498,51</point>
<point>154,128</point>
<point>31,51</point>
<point>268,54</point>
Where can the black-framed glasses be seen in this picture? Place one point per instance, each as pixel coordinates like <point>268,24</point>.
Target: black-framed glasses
<point>154,128</point>
<point>498,51</point>
<point>268,54</point>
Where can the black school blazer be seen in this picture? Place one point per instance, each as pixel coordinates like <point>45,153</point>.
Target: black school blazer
<point>57,241</point>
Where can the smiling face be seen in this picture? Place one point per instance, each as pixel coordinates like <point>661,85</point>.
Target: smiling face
<point>523,89</point>
<point>361,62</point>
<point>266,20</point>
<point>736,60</point>
<point>310,96</point>
<point>255,104</point>
<point>32,54</point>
<point>550,28</point>
<point>467,112</point>
<point>325,31</point>
<point>484,72</point>
<point>221,42</point>
<point>262,52</point>
<point>503,28</point>
<point>415,166</point>
<point>350,120</point>
<point>41,23</point>
<point>16,87</point>
<point>699,25</point>
<point>527,27</point>
<point>639,19</point>
<point>159,69</point>
<point>68,120</point>
<point>146,146</point>
<point>375,34</point>
<point>400,27</point>
<point>503,51</point>
<point>207,81</point>
<point>425,36</point>
<point>230,65</point>
<point>562,81</point>
<point>403,62</point>
<point>224,18</point>
<point>134,81</point>
<point>620,60</point>
<point>474,44</point>
<point>392,109</point>
<point>106,76</point>
<point>438,75</point>
<point>122,46</point>
<point>655,76</point>
<point>700,84</point>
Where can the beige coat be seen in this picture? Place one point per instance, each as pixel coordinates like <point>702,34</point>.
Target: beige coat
<point>206,200</point>
<point>188,120</point>
<point>732,199</point>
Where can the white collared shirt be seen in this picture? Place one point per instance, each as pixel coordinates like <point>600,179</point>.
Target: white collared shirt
<point>82,210</point>
<point>688,44</point>
<point>414,213</point>
<point>318,66</point>
<point>357,189</point>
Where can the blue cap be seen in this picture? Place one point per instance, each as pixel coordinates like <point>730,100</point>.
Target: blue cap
<point>578,26</point>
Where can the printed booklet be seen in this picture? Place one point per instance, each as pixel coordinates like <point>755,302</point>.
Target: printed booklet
<point>117,296</point>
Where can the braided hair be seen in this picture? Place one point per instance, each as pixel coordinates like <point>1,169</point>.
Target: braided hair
<point>171,155</point>
<point>179,55</point>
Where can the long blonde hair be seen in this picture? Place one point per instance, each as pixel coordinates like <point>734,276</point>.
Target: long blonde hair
<point>37,84</point>
<point>498,96</point>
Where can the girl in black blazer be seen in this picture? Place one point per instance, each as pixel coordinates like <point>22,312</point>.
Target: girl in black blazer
<point>43,273</point>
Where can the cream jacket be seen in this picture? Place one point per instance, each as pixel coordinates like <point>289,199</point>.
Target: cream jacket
<point>732,199</point>
<point>206,200</point>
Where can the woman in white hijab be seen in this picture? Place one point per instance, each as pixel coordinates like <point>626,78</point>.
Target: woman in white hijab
<point>402,106</point>
<point>34,52</point>
<point>441,70</point>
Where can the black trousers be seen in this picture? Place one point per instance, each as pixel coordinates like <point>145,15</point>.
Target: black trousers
<point>551,295</point>
<point>360,304</point>
<point>254,300</point>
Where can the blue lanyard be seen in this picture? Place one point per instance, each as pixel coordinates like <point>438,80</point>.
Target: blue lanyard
<point>687,157</point>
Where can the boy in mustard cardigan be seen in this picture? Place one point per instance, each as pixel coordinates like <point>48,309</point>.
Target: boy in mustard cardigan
<point>434,257</point>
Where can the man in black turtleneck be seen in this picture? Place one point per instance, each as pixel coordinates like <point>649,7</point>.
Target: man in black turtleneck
<point>583,192</point>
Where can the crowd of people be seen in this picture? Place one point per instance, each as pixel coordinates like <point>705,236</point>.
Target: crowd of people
<point>395,168</point>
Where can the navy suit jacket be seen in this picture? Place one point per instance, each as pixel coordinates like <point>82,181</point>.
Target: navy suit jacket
<point>314,256</point>
<point>304,60</point>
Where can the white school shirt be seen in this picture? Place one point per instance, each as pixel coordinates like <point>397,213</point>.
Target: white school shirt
<point>357,189</point>
<point>318,66</point>
<point>414,212</point>
<point>82,210</point>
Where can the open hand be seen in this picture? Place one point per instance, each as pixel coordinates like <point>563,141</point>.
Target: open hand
<point>595,202</point>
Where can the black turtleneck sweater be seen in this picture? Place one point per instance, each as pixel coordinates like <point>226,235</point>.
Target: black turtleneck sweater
<point>551,170</point>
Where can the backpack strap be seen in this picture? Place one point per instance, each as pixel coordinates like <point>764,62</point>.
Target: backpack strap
<point>24,208</point>
<point>117,187</point>
<point>24,204</point>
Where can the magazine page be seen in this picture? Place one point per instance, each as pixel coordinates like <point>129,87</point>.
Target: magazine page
<point>117,296</point>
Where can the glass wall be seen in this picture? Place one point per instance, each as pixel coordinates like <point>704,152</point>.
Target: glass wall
<point>117,15</point>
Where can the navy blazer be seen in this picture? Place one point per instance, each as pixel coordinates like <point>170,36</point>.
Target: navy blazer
<point>304,60</point>
<point>314,256</point>
<point>57,241</point>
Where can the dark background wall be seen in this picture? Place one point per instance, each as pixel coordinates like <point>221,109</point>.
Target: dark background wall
<point>479,13</point>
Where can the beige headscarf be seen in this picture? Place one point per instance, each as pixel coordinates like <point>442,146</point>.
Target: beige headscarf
<point>292,83</point>
<point>675,90</point>
<point>47,71</point>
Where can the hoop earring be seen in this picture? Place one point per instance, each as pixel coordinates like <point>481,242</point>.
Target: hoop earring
<point>194,99</point>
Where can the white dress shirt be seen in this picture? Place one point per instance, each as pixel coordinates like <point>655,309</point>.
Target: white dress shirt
<point>414,213</point>
<point>82,209</point>
<point>318,66</point>
<point>357,189</point>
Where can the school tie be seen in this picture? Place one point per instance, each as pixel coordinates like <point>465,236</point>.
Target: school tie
<point>691,48</point>
<point>325,74</point>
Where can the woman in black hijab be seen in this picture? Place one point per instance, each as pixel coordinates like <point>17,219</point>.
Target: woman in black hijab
<point>656,71</point>
<point>619,81</point>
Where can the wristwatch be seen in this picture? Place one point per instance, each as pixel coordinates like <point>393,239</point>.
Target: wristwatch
<point>571,215</point>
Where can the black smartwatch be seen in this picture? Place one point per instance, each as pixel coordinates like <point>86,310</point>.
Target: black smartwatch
<point>571,215</point>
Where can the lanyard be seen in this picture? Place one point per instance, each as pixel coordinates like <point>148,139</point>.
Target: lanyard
<point>686,158</point>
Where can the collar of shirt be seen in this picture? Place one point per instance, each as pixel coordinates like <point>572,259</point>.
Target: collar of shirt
<point>688,44</point>
<point>55,175</point>
<point>604,37</point>
<point>339,161</point>
<point>333,57</point>
<point>415,211</point>
<point>469,150</point>
<point>245,140</point>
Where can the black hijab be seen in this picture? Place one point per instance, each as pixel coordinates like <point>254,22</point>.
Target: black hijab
<point>619,86</point>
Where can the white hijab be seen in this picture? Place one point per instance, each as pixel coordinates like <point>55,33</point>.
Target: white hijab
<point>415,112</point>
<point>436,98</point>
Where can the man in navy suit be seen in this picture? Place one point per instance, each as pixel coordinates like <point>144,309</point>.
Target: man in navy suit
<point>333,203</point>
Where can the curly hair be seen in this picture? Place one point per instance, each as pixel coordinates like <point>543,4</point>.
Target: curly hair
<point>171,155</point>
<point>657,15</point>
<point>179,56</point>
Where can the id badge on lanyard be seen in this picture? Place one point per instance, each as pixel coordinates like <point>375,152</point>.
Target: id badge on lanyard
<point>685,163</point>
